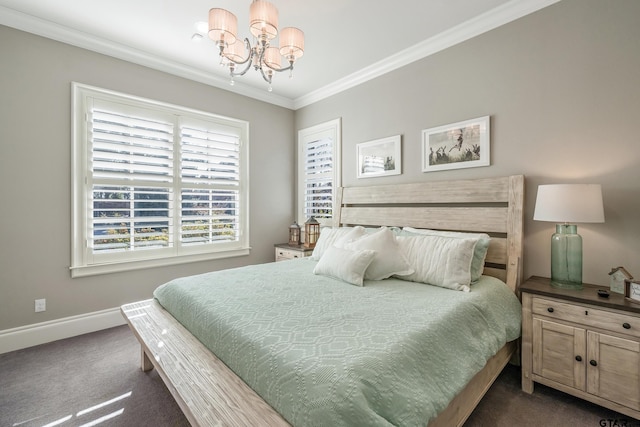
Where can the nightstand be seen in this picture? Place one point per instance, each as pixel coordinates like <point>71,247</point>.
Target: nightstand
<point>582,344</point>
<point>286,251</point>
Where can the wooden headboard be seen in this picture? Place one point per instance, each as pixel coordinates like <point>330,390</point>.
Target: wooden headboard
<point>488,205</point>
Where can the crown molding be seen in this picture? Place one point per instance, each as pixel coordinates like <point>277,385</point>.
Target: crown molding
<point>487,21</point>
<point>490,20</point>
<point>48,29</point>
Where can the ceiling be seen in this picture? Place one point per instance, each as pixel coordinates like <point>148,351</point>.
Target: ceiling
<point>346,41</point>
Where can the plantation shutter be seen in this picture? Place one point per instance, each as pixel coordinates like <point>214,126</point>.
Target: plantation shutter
<point>131,181</point>
<point>153,190</point>
<point>318,183</point>
<point>210,194</point>
<point>154,184</point>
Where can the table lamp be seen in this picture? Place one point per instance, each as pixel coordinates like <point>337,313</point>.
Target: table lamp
<point>567,204</point>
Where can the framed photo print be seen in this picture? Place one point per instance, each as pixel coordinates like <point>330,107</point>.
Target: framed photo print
<point>381,157</point>
<point>632,290</point>
<point>457,145</point>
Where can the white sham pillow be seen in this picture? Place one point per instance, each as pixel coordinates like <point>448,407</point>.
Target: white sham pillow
<point>354,234</point>
<point>479,252</point>
<point>338,236</point>
<point>394,230</point>
<point>344,264</point>
<point>439,260</point>
<point>388,259</point>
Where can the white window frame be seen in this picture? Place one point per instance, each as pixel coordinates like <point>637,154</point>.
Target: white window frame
<point>83,263</point>
<point>333,130</point>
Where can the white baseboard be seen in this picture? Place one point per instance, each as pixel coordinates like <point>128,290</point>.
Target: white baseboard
<point>53,330</point>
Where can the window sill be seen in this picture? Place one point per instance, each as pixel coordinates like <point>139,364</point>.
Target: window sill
<point>97,269</point>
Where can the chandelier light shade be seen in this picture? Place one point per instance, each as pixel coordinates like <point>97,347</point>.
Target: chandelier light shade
<point>272,57</point>
<point>223,27</point>
<point>263,20</point>
<point>264,55</point>
<point>567,204</point>
<point>235,53</point>
<point>291,43</point>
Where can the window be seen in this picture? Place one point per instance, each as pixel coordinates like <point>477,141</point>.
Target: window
<point>318,171</point>
<point>154,184</point>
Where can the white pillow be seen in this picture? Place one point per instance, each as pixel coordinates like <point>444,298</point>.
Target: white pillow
<point>344,264</point>
<point>352,235</point>
<point>388,260</point>
<point>438,260</point>
<point>335,236</point>
<point>394,230</point>
<point>479,253</point>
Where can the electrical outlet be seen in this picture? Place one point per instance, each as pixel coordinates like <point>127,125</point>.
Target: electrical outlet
<point>41,305</point>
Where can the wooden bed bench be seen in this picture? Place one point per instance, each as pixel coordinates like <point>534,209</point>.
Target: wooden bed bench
<point>206,390</point>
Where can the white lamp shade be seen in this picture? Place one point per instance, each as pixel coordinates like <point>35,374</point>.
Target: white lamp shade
<point>223,26</point>
<point>291,43</point>
<point>569,203</point>
<point>263,19</point>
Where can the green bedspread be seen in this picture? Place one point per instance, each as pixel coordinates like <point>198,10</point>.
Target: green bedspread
<point>326,353</point>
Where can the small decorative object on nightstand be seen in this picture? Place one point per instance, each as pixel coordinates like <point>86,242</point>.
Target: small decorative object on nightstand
<point>294,234</point>
<point>617,276</point>
<point>580,342</point>
<point>632,290</point>
<point>311,232</point>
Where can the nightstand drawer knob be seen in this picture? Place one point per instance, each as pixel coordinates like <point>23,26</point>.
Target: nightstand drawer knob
<point>626,325</point>
<point>593,363</point>
<point>579,358</point>
<point>550,309</point>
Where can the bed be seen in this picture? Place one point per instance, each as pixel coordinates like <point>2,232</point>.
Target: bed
<point>211,393</point>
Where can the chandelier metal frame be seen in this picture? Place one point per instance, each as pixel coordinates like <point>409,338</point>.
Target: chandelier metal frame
<point>264,57</point>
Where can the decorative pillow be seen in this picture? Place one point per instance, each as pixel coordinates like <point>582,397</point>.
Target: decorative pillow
<point>344,264</point>
<point>438,260</point>
<point>354,234</point>
<point>335,236</point>
<point>479,253</point>
<point>396,230</point>
<point>388,260</point>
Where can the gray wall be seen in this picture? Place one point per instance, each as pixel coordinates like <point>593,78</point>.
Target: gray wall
<point>562,89</point>
<point>35,187</point>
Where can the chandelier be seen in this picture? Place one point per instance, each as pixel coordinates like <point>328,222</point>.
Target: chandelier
<point>265,55</point>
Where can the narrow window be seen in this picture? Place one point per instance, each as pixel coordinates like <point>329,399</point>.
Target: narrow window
<point>318,171</point>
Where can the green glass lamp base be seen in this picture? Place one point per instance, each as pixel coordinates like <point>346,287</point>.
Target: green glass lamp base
<point>566,285</point>
<point>566,257</point>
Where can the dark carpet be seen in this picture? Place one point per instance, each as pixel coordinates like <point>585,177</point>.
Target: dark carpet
<point>95,379</point>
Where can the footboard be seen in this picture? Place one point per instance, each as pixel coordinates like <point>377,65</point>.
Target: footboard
<point>206,390</point>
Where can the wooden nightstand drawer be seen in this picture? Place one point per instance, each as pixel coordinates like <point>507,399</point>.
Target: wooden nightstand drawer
<point>285,252</point>
<point>587,315</point>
